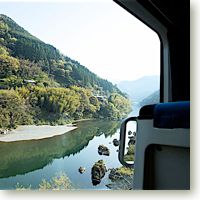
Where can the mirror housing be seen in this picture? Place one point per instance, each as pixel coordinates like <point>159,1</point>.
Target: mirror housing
<point>123,142</point>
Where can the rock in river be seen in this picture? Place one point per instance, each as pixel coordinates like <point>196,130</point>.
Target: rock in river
<point>129,132</point>
<point>131,140</point>
<point>98,172</point>
<point>81,170</point>
<point>116,142</point>
<point>103,150</point>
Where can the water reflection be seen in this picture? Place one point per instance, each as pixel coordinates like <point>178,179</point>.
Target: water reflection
<point>26,156</point>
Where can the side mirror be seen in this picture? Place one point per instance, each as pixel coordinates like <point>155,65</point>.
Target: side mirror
<point>128,132</point>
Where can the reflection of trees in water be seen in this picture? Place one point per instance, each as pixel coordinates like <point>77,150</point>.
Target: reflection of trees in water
<point>25,156</point>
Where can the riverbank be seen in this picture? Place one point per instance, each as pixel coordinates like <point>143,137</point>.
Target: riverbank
<point>33,132</point>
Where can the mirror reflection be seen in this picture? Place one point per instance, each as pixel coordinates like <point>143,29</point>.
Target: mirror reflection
<point>130,142</point>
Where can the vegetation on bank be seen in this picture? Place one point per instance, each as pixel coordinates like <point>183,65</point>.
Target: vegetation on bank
<point>121,178</point>
<point>59,182</point>
<point>118,173</point>
<point>39,85</point>
<point>39,105</point>
<point>130,155</point>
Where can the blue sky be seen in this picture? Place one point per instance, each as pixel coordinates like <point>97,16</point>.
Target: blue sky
<point>100,35</point>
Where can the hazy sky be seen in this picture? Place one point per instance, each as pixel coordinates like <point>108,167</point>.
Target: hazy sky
<point>100,35</point>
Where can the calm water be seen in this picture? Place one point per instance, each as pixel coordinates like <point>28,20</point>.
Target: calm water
<point>28,162</point>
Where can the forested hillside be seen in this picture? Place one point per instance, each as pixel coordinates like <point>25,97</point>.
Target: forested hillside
<point>40,85</point>
<point>20,44</point>
<point>154,98</point>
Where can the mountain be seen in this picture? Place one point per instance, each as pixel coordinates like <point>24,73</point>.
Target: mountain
<point>39,85</point>
<point>154,98</point>
<point>64,71</point>
<point>141,88</point>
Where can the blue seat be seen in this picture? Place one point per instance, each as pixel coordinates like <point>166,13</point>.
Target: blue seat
<point>167,115</point>
<point>172,115</point>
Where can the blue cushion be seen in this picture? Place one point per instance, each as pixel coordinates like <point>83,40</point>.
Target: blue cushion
<point>172,115</point>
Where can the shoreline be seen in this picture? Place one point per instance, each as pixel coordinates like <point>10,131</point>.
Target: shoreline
<point>33,132</point>
<point>82,120</point>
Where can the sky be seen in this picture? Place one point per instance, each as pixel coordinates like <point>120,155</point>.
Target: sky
<point>99,34</point>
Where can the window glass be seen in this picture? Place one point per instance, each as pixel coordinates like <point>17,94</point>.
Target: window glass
<point>69,74</point>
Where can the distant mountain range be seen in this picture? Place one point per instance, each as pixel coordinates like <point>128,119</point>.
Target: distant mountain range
<point>140,89</point>
<point>153,98</point>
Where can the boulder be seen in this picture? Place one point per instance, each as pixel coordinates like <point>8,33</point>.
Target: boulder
<point>131,140</point>
<point>103,150</point>
<point>81,170</point>
<point>3,132</point>
<point>116,142</point>
<point>129,132</point>
<point>98,172</point>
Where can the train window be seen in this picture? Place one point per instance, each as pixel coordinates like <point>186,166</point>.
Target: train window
<point>69,73</point>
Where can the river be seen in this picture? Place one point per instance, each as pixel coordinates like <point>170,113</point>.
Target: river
<point>28,162</point>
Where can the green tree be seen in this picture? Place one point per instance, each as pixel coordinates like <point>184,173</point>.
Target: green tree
<point>8,65</point>
<point>3,51</point>
<point>122,104</point>
<point>12,109</point>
